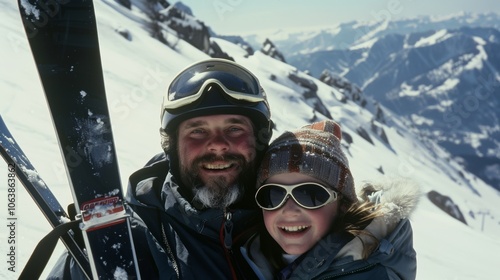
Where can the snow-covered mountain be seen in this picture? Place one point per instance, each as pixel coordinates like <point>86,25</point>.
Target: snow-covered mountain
<point>441,74</point>
<point>344,35</point>
<point>455,226</point>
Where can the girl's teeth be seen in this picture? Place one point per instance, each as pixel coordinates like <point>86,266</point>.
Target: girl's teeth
<point>294,228</point>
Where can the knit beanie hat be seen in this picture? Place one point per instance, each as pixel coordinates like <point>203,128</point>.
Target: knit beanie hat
<point>313,150</point>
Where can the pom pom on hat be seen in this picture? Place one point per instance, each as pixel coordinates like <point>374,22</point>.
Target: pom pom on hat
<point>313,150</point>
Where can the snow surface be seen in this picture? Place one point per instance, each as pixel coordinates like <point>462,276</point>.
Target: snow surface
<point>137,71</point>
<point>438,36</point>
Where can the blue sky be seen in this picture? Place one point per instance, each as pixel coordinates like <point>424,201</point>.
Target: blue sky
<point>250,16</point>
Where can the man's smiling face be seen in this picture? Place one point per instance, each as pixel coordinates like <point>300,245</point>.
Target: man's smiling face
<point>213,152</point>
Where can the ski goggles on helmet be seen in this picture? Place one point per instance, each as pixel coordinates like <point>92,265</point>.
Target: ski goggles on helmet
<point>236,82</point>
<point>308,195</point>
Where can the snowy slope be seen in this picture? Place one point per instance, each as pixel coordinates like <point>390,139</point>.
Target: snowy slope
<point>138,70</point>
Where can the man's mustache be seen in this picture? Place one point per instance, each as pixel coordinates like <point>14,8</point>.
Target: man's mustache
<point>213,157</point>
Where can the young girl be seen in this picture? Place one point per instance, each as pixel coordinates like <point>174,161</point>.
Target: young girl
<point>315,226</point>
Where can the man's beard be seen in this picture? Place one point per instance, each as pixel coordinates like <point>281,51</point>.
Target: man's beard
<point>218,192</point>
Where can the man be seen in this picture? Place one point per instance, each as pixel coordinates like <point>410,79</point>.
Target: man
<point>215,125</point>
<point>193,205</point>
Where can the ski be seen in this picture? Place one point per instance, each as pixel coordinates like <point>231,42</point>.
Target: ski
<point>29,177</point>
<point>64,42</point>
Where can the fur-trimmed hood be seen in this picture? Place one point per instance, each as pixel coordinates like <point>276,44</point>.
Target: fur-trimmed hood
<point>397,199</point>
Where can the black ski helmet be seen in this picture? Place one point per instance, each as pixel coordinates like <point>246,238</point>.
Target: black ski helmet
<point>216,86</point>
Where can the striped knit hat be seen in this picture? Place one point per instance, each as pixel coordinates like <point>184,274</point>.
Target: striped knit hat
<point>313,150</point>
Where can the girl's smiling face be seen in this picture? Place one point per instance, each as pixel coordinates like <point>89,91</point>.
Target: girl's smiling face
<point>294,228</point>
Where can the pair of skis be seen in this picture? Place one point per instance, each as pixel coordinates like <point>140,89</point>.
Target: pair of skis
<point>63,38</point>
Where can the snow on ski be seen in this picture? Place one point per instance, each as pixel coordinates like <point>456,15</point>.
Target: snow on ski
<point>40,192</point>
<point>64,42</point>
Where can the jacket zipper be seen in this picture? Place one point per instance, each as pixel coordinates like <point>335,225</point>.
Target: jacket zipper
<point>226,239</point>
<point>169,251</point>
<point>228,230</point>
